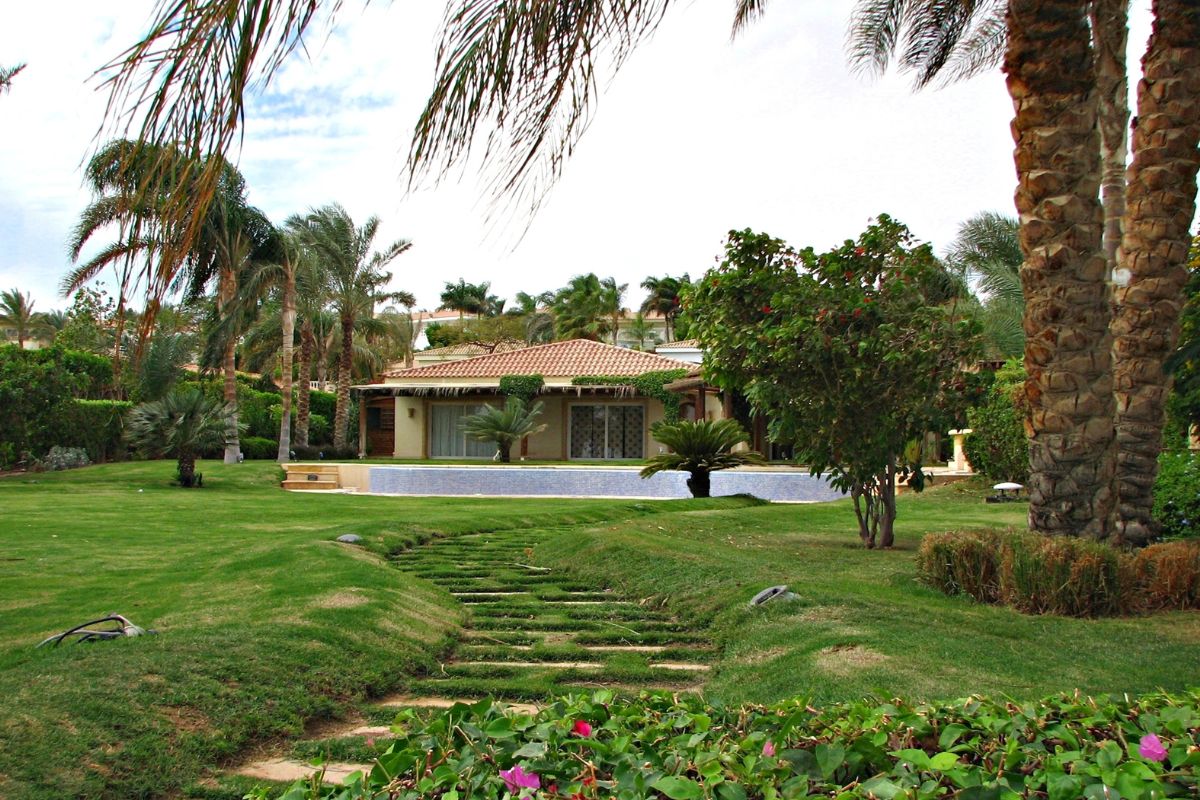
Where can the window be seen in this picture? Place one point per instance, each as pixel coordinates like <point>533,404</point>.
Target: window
<point>607,431</point>
<point>446,439</point>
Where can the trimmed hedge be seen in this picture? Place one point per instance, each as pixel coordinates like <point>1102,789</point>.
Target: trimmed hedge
<point>1060,575</point>
<point>259,447</point>
<point>659,746</point>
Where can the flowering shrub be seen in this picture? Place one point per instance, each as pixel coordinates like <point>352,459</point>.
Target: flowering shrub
<point>657,746</point>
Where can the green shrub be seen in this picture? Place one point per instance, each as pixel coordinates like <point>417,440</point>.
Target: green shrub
<point>98,426</point>
<point>1060,575</point>
<point>323,403</point>
<point>681,747</point>
<point>1177,494</point>
<point>997,446</point>
<point>259,447</point>
<point>524,387</point>
<point>320,429</point>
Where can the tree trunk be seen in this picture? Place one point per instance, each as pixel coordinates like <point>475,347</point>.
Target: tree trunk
<point>505,451</point>
<point>1161,202</point>
<point>1051,80</point>
<point>341,417</point>
<point>305,375</point>
<point>186,467</point>
<point>233,449</point>
<point>887,521</point>
<point>700,483</point>
<point>288,318</point>
<point>1110,30</point>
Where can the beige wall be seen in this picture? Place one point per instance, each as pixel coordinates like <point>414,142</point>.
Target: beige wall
<point>410,427</point>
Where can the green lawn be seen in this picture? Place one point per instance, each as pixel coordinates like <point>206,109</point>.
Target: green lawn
<point>268,626</point>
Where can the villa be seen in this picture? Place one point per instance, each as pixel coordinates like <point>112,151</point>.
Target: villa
<point>415,413</point>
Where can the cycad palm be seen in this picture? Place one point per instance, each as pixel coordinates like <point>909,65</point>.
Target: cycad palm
<point>355,279</point>
<point>504,426</point>
<point>700,448</point>
<point>181,425</point>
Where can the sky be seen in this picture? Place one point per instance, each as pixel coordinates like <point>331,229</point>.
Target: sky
<point>697,135</point>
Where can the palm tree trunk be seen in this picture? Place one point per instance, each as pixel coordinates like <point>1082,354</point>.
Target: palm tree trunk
<point>288,318</point>
<point>226,291</point>
<point>341,417</point>
<point>1161,201</point>
<point>1110,30</point>
<point>307,343</point>
<point>1051,80</point>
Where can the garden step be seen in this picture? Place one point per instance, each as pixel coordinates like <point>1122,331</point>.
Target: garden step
<point>406,701</point>
<point>532,664</point>
<point>678,666</point>
<point>287,770</point>
<point>311,485</point>
<point>624,648</point>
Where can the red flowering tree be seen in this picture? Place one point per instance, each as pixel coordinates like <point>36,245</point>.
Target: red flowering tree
<point>851,354</point>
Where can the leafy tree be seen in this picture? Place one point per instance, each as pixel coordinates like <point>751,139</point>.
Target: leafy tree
<point>850,353</point>
<point>700,448</point>
<point>356,277</point>
<point>504,426</point>
<point>181,425</point>
<point>998,446</point>
<point>85,328</point>
<point>18,319</point>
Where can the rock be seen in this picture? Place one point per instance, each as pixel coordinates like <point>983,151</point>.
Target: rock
<point>350,538</point>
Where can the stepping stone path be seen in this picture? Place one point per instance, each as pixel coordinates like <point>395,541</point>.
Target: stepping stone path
<point>531,633</point>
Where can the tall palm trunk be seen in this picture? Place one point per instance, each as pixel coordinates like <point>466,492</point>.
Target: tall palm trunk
<point>1051,81</point>
<point>307,343</point>
<point>288,318</point>
<point>1161,201</point>
<point>226,290</point>
<point>341,417</point>
<point>1110,30</point>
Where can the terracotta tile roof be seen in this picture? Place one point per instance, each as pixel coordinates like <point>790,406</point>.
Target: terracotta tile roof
<point>680,344</point>
<point>558,359</point>
<point>471,349</point>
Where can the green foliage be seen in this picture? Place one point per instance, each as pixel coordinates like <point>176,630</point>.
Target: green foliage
<point>700,448</point>
<point>98,426</point>
<point>1177,494</point>
<point>439,334</point>
<point>85,328</point>
<point>997,446</point>
<point>681,747</point>
<point>323,403</point>
<point>181,425</point>
<point>505,426</point>
<point>850,354</point>
<point>253,406</point>
<point>37,388</point>
<point>259,447</point>
<point>525,387</point>
<point>648,384</point>
<point>1060,575</point>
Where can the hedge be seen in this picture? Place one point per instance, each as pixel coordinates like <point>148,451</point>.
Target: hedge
<point>595,746</point>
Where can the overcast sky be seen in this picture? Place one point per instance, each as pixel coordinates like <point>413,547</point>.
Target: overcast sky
<point>696,136</point>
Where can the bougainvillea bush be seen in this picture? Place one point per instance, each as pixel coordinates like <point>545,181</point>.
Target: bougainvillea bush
<point>659,746</point>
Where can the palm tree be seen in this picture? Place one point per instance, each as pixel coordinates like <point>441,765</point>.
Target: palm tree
<point>18,319</point>
<point>700,448</point>
<point>505,426</point>
<point>6,76</point>
<point>466,298</point>
<point>355,277</point>
<point>642,331</point>
<point>610,299</point>
<point>581,309</point>
<point>664,299</point>
<point>539,320</point>
<point>181,425</point>
<point>987,252</point>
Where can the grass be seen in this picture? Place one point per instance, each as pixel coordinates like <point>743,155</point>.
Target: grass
<point>862,625</point>
<point>268,627</point>
<point>265,623</point>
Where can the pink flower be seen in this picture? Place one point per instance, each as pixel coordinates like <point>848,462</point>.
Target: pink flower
<point>1151,748</point>
<point>768,749</point>
<point>582,728</point>
<point>517,778</point>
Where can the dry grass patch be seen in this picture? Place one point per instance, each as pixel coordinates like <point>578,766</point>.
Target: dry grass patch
<point>345,599</point>
<point>846,659</point>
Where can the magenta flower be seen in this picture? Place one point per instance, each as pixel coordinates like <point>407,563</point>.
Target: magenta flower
<point>768,749</point>
<point>1151,748</point>
<point>517,778</point>
<point>582,728</point>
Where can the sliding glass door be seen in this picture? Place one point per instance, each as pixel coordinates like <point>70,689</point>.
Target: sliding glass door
<point>607,431</point>
<point>446,439</point>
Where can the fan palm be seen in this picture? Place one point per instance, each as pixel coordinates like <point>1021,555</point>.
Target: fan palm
<point>181,425</point>
<point>355,279</point>
<point>504,426</point>
<point>700,448</point>
<point>18,319</point>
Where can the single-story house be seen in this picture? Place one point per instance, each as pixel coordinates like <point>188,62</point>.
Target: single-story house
<point>415,413</point>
